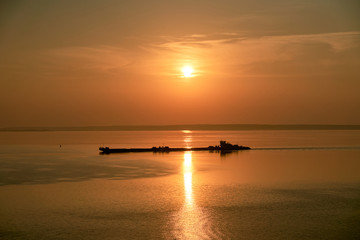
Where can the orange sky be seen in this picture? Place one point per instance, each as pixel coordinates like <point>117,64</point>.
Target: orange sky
<point>81,63</point>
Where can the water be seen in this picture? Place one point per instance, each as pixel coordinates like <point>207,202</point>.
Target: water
<point>293,185</point>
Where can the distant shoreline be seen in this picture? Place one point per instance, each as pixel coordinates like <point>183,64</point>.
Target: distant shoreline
<point>192,127</point>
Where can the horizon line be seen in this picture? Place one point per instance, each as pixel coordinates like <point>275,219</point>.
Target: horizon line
<point>194,127</point>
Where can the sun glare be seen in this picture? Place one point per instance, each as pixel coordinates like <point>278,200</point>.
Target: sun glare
<point>187,71</point>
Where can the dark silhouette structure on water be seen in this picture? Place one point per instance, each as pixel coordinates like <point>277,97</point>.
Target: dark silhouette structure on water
<point>223,147</point>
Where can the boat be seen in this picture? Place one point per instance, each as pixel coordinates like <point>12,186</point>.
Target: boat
<point>223,147</point>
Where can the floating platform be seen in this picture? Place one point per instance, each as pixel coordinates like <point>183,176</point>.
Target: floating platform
<point>223,147</point>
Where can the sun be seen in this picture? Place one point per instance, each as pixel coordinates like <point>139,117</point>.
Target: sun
<point>187,71</point>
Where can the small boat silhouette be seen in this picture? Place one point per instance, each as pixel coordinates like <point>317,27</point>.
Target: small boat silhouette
<point>223,147</point>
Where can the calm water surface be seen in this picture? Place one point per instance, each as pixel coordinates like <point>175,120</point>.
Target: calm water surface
<point>293,185</point>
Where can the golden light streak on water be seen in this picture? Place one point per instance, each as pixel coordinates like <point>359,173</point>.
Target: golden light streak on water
<point>187,169</point>
<point>186,131</point>
<point>191,222</point>
<point>187,138</point>
<point>187,161</point>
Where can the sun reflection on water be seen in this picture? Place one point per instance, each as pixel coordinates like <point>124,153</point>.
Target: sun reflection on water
<point>188,140</point>
<point>191,222</point>
<point>187,169</point>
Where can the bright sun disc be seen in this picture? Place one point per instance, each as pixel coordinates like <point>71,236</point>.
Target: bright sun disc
<point>187,71</point>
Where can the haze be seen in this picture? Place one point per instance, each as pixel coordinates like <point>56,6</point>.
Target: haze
<point>93,63</point>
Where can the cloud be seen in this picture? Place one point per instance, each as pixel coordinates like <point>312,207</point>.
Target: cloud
<point>228,54</point>
<point>236,53</point>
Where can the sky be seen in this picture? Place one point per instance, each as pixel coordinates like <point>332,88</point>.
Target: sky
<point>105,63</point>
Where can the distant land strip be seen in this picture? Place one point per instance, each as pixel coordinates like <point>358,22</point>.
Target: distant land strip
<point>208,127</point>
